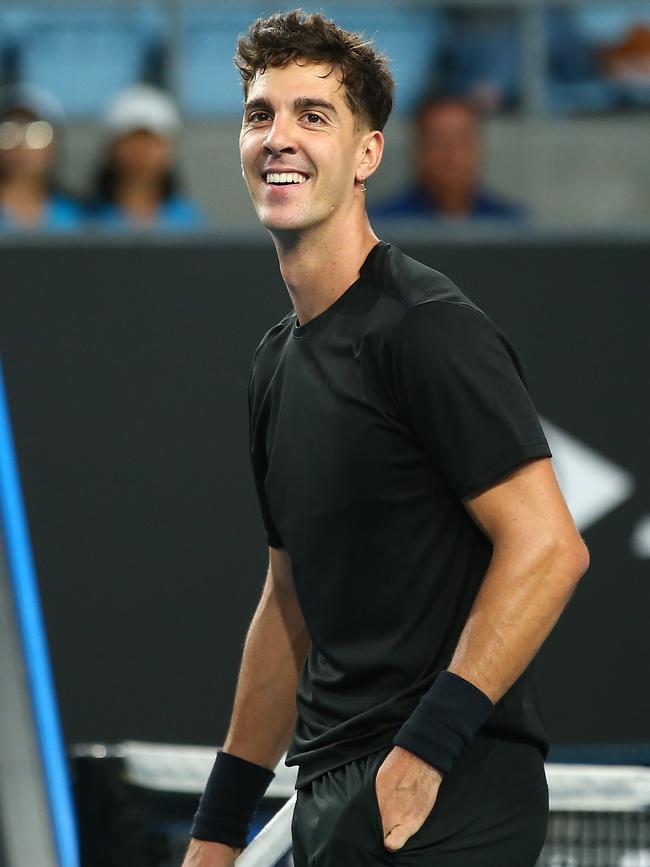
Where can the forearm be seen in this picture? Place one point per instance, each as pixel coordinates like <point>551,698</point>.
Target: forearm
<point>522,596</point>
<point>264,709</point>
<point>537,559</point>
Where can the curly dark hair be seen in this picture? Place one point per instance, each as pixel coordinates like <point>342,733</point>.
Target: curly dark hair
<point>277,40</point>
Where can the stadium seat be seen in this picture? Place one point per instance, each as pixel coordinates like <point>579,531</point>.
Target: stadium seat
<point>411,37</point>
<point>483,54</point>
<point>210,84</point>
<point>574,37</point>
<point>83,53</point>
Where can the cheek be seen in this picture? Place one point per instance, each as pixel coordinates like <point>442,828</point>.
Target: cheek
<point>248,151</point>
<point>35,160</point>
<point>44,159</point>
<point>159,155</point>
<point>245,155</point>
<point>337,167</point>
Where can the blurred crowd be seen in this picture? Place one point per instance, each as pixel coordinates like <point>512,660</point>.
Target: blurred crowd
<point>136,183</point>
<point>470,64</point>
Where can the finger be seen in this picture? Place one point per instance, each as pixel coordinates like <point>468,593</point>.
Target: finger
<point>396,838</point>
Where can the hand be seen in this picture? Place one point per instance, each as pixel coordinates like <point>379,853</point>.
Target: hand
<point>201,853</point>
<point>406,788</point>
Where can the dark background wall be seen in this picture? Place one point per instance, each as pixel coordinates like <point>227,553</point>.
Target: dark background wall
<point>127,369</point>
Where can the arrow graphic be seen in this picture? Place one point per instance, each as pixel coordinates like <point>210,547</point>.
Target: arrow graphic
<point>592,484</point>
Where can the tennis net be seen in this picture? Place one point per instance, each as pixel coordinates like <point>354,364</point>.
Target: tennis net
<point>600,815</point>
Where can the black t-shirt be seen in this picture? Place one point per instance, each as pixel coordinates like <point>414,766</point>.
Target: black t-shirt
<point>368,425</point>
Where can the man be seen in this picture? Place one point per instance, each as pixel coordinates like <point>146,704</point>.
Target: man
<point>420,549</point>
<point>449,149</point>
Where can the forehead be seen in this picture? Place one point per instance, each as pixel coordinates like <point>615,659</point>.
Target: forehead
<point>296,79</point>
<point>19,114</point>
<point>448,116</point>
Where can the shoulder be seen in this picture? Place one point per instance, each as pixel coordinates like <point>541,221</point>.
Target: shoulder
<point>276,335</point>
<point>105,213</point>
<point>431,315</point>
<point>181,211</point>
<point>420,315</point>
<point>266,360</point>
<point>412,283</point>
<point>64,211</point>
<point>450,325</point>
<point>452,336</point>
<point>266,356</point>
<point>408,203</point>
<point>491,204</point>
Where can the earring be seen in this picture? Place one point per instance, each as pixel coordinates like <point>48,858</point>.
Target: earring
<point>363,185</point>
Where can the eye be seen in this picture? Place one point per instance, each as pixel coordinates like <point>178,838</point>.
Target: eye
<point>258,116</point>
<point>313,118</point>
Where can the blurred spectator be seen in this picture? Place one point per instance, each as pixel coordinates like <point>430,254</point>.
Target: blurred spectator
<point>136,185</point>
<point>628,61</point>
<point>448,160</point>
<point>30,197</point>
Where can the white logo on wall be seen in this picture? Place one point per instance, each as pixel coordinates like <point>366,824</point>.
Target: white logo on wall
<point>592,484</point>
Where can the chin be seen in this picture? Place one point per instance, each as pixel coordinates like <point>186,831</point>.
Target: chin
<point>274,220</point>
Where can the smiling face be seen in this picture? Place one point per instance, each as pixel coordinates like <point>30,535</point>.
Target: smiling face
<point>303,153</point>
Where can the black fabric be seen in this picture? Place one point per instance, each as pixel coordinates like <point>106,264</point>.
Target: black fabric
<point>491,811</point>
<point>232,794</point>
<point>369,424</point>
<point>446,719</point>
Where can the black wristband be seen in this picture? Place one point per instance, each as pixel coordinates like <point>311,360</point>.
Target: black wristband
<point>446,719</point>
<point>232,794</point>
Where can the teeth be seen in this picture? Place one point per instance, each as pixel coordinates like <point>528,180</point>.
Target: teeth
<point>285,178</point>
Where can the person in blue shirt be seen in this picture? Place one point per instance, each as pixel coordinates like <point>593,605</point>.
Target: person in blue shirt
<point>31,199</point>
<point>448,169</point>
<point>136,185</point>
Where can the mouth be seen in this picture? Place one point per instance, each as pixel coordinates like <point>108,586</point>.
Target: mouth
<point>285,179</point>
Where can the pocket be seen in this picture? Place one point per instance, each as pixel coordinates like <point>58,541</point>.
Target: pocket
<point>378,760</point>
<point>297,820</point>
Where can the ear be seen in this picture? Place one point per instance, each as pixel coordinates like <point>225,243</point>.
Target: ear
<point>372,148</point>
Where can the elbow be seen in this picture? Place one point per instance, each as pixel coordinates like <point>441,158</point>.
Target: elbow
<point>573,555</point>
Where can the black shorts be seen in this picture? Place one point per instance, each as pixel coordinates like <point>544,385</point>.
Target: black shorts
<point>491,811</point>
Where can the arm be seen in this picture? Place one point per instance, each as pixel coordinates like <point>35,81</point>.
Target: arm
<point>538,557</point>
<point>264,709</point>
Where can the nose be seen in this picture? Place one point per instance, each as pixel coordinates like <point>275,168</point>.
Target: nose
<point>280,139</point>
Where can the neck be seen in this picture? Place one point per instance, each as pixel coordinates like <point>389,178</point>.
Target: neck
<point>139,196</point>
<point>454,202</point>
<point>318,265</point>
<point>23,197</point>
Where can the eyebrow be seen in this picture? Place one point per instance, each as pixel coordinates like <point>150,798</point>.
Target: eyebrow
<point>300,104</point>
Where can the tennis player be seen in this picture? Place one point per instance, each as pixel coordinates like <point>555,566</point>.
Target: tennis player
<point>420,548</point>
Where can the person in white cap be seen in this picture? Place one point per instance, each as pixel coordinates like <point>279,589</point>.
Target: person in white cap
<point>30,196</point>
<point>136,185</point>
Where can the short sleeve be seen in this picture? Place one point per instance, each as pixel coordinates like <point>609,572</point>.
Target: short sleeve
<point>461,387</point>
<point>259,464</point>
